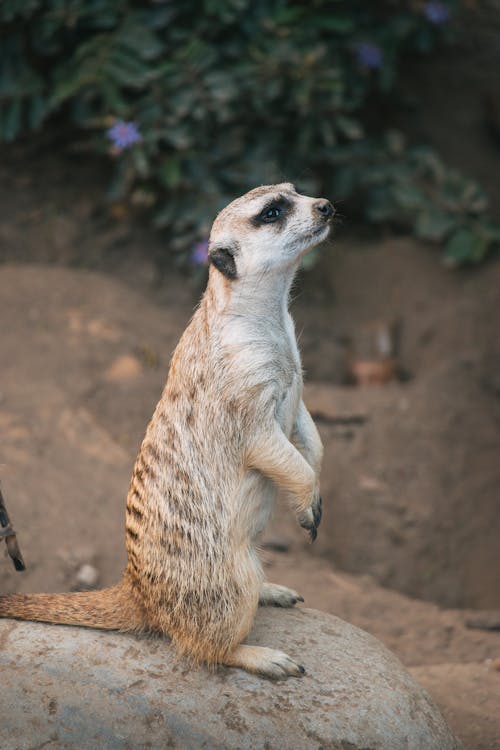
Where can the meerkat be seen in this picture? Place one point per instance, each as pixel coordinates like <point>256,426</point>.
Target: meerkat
<point>229,430</point>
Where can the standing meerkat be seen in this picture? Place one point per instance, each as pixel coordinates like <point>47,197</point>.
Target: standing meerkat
<point>229,430</point>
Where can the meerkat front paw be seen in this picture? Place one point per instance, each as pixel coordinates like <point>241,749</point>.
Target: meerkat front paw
<point>274,595</point>
<point>310,519</point>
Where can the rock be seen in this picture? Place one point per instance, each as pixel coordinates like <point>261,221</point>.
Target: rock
<point>124,368</point>
<point>78,689</point>
<point>87,576</point>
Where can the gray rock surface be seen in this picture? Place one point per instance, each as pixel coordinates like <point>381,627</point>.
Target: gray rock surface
<point>67,688</point>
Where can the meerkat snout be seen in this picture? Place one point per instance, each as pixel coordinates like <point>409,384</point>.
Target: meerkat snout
<point>325,209</point>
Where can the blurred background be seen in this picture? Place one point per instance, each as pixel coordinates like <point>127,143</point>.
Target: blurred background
<point>124,127</point>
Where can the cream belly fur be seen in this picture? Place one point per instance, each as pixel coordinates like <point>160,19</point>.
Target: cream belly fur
<point>229,430</point>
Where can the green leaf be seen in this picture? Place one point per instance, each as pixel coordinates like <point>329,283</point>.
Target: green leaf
<point>434,225</point>
<point>344,182</point>
<point>122,181</point>
<point>395,142</point>
<point>170,172</point>
<point>474,199</point>
<point>37,111</point>
<point>140,161</point>
<point>492,231</point>
<point>349,127</point>
<point>137,38</point>
<point>12,120</point>
<point>115,102</point>
<point>338,24</point>
<point>465,246</point>
<point>381,206</point>
<point>165,216</point>
<point>409,196</point>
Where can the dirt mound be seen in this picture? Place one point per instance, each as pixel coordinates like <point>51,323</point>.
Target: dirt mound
<point>64,473</point>
<point>411,473</point>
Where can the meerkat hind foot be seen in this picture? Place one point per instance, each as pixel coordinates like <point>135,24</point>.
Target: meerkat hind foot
<point>274,595</point>
<point>264,661</point>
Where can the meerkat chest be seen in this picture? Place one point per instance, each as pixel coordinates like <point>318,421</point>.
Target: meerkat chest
<point>264,353</point>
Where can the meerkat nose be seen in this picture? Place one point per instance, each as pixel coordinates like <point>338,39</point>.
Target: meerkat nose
<point>325,208</point>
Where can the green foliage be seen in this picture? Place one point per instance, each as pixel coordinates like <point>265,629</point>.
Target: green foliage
<point>228,94</point>
<point>412,189</point>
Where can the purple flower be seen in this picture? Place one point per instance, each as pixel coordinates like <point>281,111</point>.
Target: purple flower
<point>369,55</point>
<point>124,134</point>
<point>437,12</point>
<point>199,253</point>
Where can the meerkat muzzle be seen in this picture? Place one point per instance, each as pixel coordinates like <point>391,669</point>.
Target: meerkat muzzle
<point>325,209</point>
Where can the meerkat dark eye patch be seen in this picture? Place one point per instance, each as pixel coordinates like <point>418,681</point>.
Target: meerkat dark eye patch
<point>223,259</point>
<point>274,211</point>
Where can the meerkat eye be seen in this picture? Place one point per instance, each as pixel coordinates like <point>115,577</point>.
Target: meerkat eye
<point>275,211</point>
<point>271,214</point>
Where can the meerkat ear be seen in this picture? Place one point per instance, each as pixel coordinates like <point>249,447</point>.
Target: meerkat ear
<point>223,260</point>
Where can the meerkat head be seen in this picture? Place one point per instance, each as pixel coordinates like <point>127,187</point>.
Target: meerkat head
<point>267,229</point>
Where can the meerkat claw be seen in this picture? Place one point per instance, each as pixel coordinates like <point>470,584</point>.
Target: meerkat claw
<point>310,519</point>
<point>316,512</point>
<point>317,509</point>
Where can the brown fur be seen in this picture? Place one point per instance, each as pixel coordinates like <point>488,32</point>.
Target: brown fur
<point>230,420</point>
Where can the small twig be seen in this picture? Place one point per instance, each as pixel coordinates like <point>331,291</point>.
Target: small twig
<point>486,620</point>
<point>343,421</point>
<point>8,533</point>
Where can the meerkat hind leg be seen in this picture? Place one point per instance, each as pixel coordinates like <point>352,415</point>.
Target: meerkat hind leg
<point>274,595</point>
<point>264,661</point>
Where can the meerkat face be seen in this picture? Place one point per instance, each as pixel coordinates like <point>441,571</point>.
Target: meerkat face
<point>267,229</point>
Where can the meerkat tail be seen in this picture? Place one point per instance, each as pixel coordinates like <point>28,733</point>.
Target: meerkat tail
<point>114,608</point>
